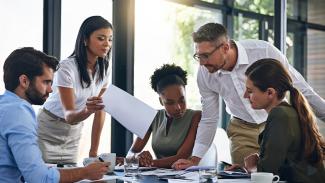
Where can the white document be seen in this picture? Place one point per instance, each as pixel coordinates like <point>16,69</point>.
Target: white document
<point>132,113</point>
<point>163,172</point>
<point>182,181</point>
<point>106,178</point>
<point>234,181</point>
<point>192,177</point>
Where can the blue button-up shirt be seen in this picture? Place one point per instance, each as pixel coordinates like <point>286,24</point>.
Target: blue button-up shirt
<point>19,151</point>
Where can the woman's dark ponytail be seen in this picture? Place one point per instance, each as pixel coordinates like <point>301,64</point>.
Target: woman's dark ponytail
<point>312,144</point>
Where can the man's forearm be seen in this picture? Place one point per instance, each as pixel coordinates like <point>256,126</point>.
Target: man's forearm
<point>72,175</point>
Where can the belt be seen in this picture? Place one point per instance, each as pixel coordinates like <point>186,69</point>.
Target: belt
<point>49,113</point>
<point>53,115</point>
<point>248,123</point>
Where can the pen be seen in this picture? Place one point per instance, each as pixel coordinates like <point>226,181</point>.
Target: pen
<point>101,159</point>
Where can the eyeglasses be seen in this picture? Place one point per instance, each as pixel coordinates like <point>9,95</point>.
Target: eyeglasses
<point>205,56</point>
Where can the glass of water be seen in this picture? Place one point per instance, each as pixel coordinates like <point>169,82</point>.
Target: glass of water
<point>208,175</point>
<point>131,166</point>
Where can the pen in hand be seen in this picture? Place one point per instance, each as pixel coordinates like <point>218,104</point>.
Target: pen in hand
<point>101,159</point>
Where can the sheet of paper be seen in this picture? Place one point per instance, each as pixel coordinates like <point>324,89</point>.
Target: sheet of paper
<point>106,178</point>
<point>182,181</point>
<point>120,168</point>
<point>163,172</point>
<point>132,113</point>
<point>127,179</point>
<point>234,180</point>
<point>197,168</point>
<point>188,177</point>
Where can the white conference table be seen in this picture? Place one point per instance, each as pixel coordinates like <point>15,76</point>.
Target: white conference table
<point>119,177</point>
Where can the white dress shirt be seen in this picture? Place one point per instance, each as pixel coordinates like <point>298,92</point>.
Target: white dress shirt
<point>230,85</point>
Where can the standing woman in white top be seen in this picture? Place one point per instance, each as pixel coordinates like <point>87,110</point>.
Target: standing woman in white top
<point>77,87</point>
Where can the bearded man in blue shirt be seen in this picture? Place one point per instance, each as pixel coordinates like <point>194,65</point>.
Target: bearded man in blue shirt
<point>28,75</point>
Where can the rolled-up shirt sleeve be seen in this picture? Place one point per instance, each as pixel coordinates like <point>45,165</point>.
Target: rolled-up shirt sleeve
<point>209,120</point>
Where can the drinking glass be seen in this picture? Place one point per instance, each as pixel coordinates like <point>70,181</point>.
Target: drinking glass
<point>131,166</point>
<point>208,175</point>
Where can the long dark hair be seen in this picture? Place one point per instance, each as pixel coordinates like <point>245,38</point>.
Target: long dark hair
<point>270,73</point>
<point>90,25</point>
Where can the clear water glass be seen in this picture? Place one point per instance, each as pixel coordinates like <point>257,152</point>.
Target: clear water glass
<point>131,166</point>
<point>208,175</point>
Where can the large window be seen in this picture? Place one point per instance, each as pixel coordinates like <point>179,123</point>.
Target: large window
<point>163,35</point>
<point>315,51</point>
<point>316,11</point>
<point>316,65</point>
<point>20,27</point>
<point>74,12</point>
<point>265,7</point>
<point>245,28</point>
<point>258,27</point>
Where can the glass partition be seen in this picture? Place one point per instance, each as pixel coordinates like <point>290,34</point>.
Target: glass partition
<point>16,30</point>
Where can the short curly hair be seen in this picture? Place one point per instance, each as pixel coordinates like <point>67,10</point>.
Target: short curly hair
<point>166,75</point>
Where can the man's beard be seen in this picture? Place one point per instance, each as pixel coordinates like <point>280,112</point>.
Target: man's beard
<point>34,96</point>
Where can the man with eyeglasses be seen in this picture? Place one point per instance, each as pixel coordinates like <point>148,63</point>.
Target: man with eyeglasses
<point>223,63</point>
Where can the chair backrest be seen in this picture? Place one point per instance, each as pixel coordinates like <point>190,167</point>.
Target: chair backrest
<point>210,158</point>
<point>222,143</point>
<point>218,151</point>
